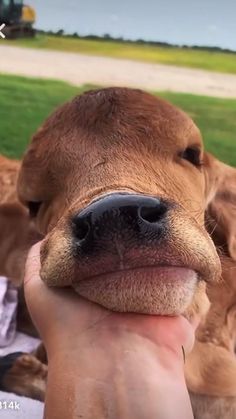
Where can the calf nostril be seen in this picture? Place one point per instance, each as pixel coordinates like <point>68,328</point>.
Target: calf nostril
<point>152,214</point>
<point>81,228</point>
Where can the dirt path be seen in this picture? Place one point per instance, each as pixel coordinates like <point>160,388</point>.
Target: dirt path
<point>81,69</point>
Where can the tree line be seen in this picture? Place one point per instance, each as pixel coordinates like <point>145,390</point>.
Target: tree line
<point>108,38</point>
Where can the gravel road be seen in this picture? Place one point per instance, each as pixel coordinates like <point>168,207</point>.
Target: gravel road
<point>81,69</point>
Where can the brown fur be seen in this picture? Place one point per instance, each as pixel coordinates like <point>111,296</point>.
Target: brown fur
<point>125,140</point>
<point>211,366</point>
<point>9,170</point>
<point>120,140</point>
<point>27,377</point>
<point>17,233</point>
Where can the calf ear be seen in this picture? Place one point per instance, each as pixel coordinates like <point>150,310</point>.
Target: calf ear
<point>221,204</point>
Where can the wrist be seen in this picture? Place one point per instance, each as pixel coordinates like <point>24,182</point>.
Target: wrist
<point>125,372</point>
<point>117,344</point>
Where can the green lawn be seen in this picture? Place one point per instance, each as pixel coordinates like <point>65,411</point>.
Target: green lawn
<point>215,61</point>
<point>24,104</point>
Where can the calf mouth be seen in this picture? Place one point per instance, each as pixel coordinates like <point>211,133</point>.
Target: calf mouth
<point>121,249</point>
<point>131,253</point>
<point>160,289</point>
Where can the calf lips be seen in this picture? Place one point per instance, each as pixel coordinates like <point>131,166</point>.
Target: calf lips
<point>129,260</point>
<point>126,248</point>
<point>162,290</point>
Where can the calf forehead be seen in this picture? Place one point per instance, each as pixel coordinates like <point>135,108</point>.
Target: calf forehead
<point>114,117</point>
<point>115,137</point>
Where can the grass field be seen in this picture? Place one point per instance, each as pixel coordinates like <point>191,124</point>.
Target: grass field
<point>25,103</point>
<point>214,61</point>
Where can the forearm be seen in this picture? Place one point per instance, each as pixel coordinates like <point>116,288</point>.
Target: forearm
<point>125,379</point>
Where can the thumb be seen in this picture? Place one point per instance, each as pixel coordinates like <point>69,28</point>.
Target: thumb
<point>32,267</point>
<point>37,295</point>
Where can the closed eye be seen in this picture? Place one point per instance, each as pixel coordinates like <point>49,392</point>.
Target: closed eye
<point>34,208</point>
<point>192,155</point>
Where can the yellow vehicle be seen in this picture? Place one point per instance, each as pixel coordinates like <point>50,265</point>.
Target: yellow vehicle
<point>18,17</point>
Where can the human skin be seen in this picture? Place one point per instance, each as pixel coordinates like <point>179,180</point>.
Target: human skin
<point>104,364</point>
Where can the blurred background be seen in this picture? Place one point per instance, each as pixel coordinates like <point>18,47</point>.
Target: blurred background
<point>182,50</point>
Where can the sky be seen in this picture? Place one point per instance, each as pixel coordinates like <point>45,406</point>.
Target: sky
<point>191,22</point>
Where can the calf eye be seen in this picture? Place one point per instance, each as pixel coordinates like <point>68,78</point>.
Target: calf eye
<point>193,155</point>
<point>34,208</point>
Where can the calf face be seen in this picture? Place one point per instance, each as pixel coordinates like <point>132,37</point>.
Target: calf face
<point>115,180</point>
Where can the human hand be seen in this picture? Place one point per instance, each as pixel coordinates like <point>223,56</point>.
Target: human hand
<point>61,315</point>
<point>127,362</point>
